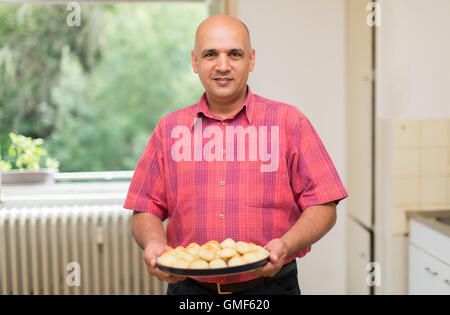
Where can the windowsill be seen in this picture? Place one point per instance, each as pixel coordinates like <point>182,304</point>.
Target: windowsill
<point>106,176</point>
<point>70,189</point>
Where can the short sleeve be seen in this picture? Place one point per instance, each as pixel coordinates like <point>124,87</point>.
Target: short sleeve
<point>147,190</point>
<point>315,179</point>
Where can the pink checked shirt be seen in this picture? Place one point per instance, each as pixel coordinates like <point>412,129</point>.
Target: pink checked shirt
<point>248,177</point>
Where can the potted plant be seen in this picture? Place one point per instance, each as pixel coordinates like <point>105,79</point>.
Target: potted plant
<point>24,162</point>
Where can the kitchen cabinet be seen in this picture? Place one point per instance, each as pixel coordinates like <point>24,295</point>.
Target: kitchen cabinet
<point>429,261</point>
<point>427,275</point>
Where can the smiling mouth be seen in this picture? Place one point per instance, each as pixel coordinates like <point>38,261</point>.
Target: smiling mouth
<point>222,79</point>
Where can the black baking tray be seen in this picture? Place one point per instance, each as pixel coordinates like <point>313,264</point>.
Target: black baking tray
<point>216,271</point>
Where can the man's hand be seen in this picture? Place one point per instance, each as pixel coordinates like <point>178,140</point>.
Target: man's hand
<point>278,253</point>
<point>151,252</point>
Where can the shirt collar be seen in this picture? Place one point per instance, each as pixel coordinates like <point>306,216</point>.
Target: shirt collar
<point>202,107</point>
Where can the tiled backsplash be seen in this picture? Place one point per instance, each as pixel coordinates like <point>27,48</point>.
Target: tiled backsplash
<point>421,168</point>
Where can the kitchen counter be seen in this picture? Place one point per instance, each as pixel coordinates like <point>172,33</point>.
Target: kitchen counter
<point>438,220</point>
<point>428,254</point>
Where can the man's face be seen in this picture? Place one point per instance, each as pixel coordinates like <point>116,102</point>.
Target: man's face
<point>223,59</point>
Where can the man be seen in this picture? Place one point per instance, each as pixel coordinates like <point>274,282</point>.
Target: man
<point>274,186</point>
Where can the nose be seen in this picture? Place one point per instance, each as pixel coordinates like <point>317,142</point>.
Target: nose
<point>223,64</point>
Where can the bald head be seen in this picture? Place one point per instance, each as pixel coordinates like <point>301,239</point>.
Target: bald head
<point>223,59</point>
<point>218,22</point>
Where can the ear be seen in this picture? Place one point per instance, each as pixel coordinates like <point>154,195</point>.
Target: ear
<point>194,61</point>
<point>252,60</point>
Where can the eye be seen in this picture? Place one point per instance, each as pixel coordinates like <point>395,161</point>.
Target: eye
<point>209,54</point>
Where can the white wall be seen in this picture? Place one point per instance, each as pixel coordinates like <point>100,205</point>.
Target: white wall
<point>300,60</point>
<point>413,59</point>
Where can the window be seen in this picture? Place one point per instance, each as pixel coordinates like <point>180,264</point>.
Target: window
<point>95,88</point>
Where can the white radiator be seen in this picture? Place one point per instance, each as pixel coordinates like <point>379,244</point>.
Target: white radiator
<point>42,248</point>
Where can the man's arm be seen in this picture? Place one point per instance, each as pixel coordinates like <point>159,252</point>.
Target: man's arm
<point>148,231</point>
<point>312,225</point>
<point>146,228</point>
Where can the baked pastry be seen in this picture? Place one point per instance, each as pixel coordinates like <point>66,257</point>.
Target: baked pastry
<point>257,247</point>
<point>228,243</point>
<point>213,255</point>
<point>207,252</point>
<point>214,244</point>
<point>198,264</point>
<point>178,249</point>
<point>181,263</point>
<point>192,245</point>
<point>253,246</point>
<point>251,257</point>
<point>243,247</point>
<point>217,263</point>
<point>184,254</point>
<point>193,248</point>
<point>227,253</point>
<point>167,259</point>
<point>236,261</point>
<point>261,252</point>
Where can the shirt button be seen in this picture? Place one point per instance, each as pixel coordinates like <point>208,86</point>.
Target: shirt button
<point>222,182</point>
<point>223,151</point>
<point>224,123</point>
<point>221,216</point>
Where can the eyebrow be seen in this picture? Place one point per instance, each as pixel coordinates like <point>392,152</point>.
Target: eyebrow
<point>233,50</point>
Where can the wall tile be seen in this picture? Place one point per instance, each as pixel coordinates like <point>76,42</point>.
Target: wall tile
<point>421,168</point>
<point>434,161</point>
<point>406,134</point>
<point>434,133</point>
<point>406,191</point>
<point>406,162</point>
<point>433,192</point>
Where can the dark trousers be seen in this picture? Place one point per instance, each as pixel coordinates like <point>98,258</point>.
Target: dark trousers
<point>284,285</point>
